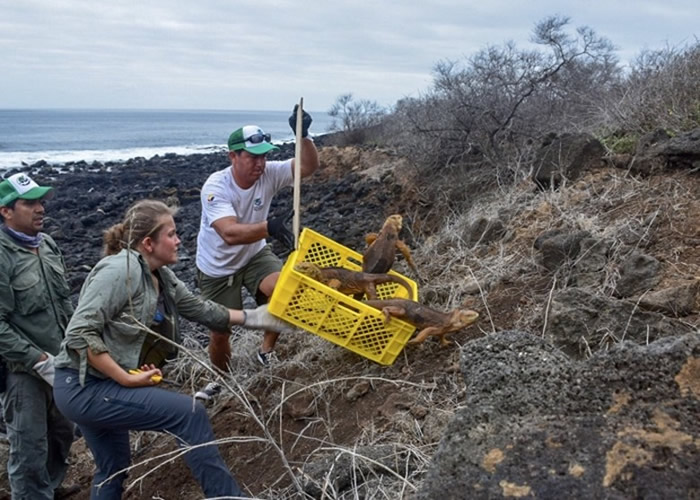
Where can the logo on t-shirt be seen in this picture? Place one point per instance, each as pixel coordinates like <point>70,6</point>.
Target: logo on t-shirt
<point>257,204</point>
<point>210,197</point>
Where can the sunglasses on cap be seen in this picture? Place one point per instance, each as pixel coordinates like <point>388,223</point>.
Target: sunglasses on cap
<point>257,138</point>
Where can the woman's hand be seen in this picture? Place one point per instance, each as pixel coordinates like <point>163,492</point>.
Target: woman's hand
<point>147,375</point>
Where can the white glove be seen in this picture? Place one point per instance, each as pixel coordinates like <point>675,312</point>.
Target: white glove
<point>46,369</point>
<point>261,319</point>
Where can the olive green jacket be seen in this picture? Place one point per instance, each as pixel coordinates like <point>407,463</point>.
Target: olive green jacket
<point>116,305</point>
<point>35,302</point>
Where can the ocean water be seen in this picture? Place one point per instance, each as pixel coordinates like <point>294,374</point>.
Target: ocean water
<point>61,136</point>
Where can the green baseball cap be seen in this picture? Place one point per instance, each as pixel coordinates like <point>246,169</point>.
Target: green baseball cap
<point>21,187</point>
<point>250,138</point>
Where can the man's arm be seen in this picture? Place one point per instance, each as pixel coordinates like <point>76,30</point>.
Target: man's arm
<point>309,158</point>
<point>238,233</point>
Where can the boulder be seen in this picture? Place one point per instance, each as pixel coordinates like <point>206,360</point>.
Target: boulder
<point>638,273</point>
<point>657,152</point>
<point>651,140</point>
<point>558,246</point>
<point>581,322</point>
<point>537,425</point>
<point>589,267</point>
<point>679,300</point>
<point>565,157</point>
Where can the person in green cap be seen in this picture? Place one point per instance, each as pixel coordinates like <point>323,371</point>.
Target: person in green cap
<point>35,308</point>
<point>231,248</point>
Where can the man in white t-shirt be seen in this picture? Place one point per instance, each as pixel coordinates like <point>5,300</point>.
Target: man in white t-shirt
<point>231,249</point>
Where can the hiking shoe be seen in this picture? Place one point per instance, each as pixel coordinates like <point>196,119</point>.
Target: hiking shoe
<point>210,390</point>
<point>265,358</point>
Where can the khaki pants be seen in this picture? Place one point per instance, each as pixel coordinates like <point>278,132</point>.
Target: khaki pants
<point>227,289</point>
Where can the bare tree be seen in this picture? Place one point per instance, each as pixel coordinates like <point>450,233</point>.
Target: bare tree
<point>491,107</point>
<point>662,90</point>
<point>355,117</point>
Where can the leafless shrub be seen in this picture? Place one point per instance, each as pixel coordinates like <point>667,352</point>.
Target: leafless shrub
<point>357,119</point>
<point>662,90</point>
<point>492,108</point>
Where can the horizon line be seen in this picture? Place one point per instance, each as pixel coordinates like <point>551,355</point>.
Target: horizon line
<point>156,109</point>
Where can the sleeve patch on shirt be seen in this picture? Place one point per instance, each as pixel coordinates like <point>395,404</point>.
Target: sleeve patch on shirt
<point>210,197</point>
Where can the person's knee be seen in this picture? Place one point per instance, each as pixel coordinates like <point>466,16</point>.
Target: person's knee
<point>28,449</point>
<point>27,463</point>
<point>267,284</point>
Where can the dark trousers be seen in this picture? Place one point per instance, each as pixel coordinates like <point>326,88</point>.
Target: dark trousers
<point>106,411</point>
<point>40,437</point>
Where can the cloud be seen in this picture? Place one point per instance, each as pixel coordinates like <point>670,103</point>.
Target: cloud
<point>225,55</point>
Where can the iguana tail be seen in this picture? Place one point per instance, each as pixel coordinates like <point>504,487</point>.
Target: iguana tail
<point>390,278</point>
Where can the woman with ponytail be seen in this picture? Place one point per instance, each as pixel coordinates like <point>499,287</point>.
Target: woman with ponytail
<point>108,368</point>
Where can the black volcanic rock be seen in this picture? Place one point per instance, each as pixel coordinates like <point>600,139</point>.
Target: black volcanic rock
<point>538,425</point>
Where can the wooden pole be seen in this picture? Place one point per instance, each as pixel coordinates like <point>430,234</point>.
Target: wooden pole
<point>297,176</point>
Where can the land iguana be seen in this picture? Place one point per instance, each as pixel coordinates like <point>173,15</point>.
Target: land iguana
<point>349,282</point>
<point>430,321</point>
<point>381,252</point>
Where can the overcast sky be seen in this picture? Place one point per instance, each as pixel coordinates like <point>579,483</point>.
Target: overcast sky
<point>265,54</point>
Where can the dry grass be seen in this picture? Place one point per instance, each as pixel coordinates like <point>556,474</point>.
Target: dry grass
<point>653,215</point>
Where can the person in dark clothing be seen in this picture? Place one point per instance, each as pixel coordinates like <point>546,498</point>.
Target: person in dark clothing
<point>34,311</point>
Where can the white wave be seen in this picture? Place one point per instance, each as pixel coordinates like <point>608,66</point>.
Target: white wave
<point>18,159</point>
<point>15,159</point>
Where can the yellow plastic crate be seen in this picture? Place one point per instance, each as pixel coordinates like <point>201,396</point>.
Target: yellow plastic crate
<point>337,317</point>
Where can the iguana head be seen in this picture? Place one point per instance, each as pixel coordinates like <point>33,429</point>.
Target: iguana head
<point>394,220</point>
<point>462,318</point>
<point>308,269</point>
